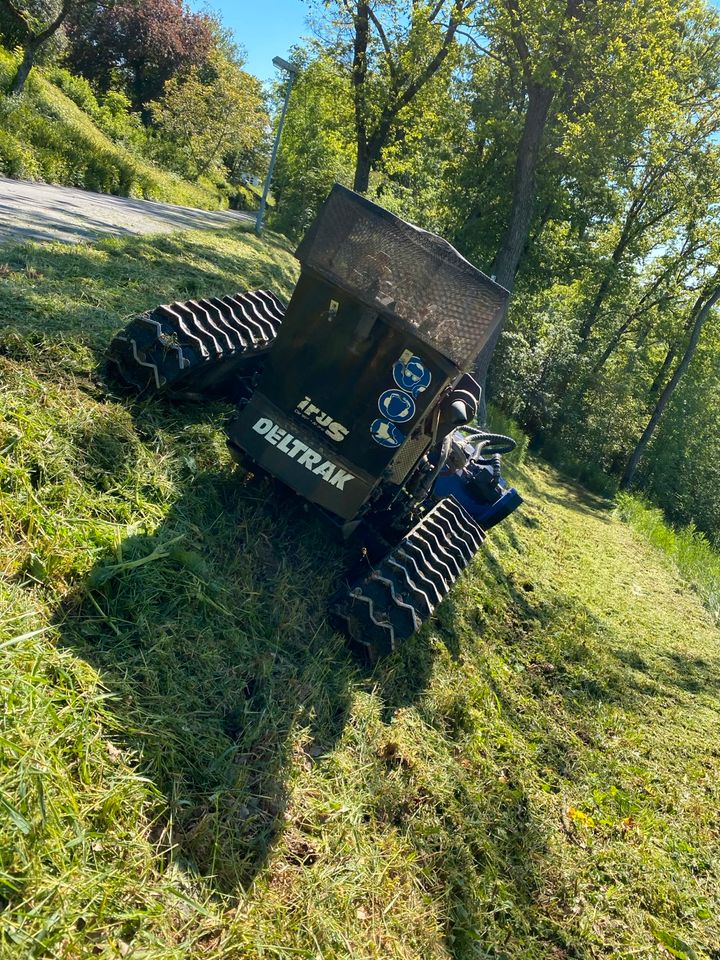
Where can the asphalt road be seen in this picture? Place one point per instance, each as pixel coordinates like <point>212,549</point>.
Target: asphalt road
<point>39,211</point>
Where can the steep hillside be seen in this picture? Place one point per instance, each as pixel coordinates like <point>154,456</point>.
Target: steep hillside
<point>191,764</point>
<point>45,136</point>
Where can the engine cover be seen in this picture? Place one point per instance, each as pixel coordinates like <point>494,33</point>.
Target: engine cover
<point>287,449</point>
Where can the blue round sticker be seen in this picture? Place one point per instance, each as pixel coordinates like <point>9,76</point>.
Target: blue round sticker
<point>396,405</point>
<point>386,433</point>
<point>412,376</point>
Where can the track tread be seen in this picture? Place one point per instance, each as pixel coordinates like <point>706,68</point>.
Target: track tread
<point>197,344</point>
<point>390,603</point>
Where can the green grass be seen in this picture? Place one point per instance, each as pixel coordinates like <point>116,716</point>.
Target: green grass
<point>45,136</point>
<point>191,764</point>
<point>696,558</point>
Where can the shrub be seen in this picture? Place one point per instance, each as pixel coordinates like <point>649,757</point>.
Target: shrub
<point>499,422</point>
<point>590,474</point>
<point>76,88</point>
<point>118,122</point>
<point>16,159</point>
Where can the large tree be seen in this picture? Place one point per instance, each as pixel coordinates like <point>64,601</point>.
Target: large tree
<point>31,25</point>
<point>591,75</point>
<point>143,42</point>
<point>700,312</point>
<point>395,48</point>
<point>207,112</point>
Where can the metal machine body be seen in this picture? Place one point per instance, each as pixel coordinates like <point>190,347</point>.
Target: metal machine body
<point>355,395</point>
<point>330,381</point>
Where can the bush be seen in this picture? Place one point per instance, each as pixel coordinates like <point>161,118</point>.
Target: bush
<point>76,88</point>
<point>500,422</point>
<point>118,122</point>
<point>16,159</point>
<point>575,466</point>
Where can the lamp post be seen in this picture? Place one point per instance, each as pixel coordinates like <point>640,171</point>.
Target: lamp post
<point>292,72</point>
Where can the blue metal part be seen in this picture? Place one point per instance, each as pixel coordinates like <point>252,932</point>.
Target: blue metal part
<point>486,514</point>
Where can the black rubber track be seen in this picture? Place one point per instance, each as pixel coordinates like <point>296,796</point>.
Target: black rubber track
<point>392,600</point>
<point>198,345</point>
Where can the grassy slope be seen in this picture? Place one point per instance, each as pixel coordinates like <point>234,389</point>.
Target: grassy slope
<point>192,765</point>
<point>45,136</point>
<point>696,558</point>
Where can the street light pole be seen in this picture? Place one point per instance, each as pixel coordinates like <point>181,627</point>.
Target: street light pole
<point>292,72</point>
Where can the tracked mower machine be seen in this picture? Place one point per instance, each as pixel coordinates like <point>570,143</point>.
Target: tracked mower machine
<point>355,395</point>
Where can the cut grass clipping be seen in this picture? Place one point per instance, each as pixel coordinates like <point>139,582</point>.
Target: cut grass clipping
<point>193,766</point>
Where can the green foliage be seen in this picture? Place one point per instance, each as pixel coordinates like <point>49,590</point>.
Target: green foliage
<point>498,421</point>
<point>112,113</point>
<point>681,468</point>
<point>17,159</point>
<point>116,119</point>
<point>536,351</point>
<point>76,88</point>
<point>206,114</point>
<point>316,147</point>
<point>394,51</point>
<point>44,135</point>
<point>577,465</point>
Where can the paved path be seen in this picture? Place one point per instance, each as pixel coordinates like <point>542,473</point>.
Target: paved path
<point>39,211</point>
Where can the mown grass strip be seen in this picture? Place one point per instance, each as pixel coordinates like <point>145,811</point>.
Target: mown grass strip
<point>693,554</point>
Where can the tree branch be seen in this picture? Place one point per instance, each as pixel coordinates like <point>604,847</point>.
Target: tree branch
<point>384,40</point>
<point>518,39</point>
<point>18,16</point>
<point>56,23</point>
<point>436,10</point>
<point>484,50</point>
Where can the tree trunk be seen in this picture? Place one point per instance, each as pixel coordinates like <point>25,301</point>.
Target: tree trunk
<point>662,372</point>
<point>673,348</point>
<point>33,40</point>
<point>359,76</point>
<point>517,232</point>
<point>604,288</point>
<point>26,65</point>
<point>523,193</point>
<point>646,304</point>
<point>362,169</point>
<point>702,310</point>
<point>372,138</point>
<point>630,232</point>
<point>612,345</point>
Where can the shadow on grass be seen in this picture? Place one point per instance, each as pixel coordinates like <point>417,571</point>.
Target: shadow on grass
<point>210,635</point>
<point>92,290</point>
<point>578,499</point>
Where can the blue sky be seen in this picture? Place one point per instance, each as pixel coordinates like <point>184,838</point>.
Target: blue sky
<point>265,28</point>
